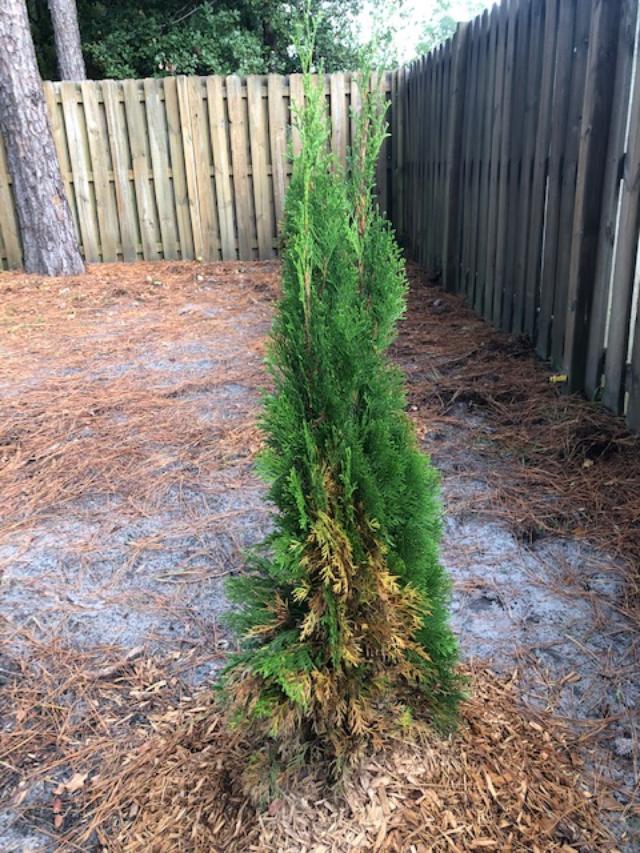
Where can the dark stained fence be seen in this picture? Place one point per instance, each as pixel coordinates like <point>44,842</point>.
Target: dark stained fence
<point>516,178</point>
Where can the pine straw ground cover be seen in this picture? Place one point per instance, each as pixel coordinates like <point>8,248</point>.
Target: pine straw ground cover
<point>507,781</point>
<point>127,432</point>
<point>551,463</point>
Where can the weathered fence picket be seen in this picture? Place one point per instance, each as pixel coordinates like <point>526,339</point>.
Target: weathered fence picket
<point>180,167</point>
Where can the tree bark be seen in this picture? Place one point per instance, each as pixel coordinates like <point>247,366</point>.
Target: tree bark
<point>49,243</point>
<point>64,16</point>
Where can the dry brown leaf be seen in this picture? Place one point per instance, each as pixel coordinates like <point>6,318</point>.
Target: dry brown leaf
<point>76,782</point>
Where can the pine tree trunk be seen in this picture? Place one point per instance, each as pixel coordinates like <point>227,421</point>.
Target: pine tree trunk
<point>49,242</point>
<point>64,16</point>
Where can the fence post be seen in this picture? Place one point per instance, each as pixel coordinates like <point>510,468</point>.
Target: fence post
<point>633,412</point>
<point>623,269</point>
<point>451,210</point>
<point>397,150</point>
<point>615,154</point>
<point>594,135</point>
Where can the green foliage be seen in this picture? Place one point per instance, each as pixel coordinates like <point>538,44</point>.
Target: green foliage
<point>343,614</point>
<point>154,38</point>
<point>442,23</point>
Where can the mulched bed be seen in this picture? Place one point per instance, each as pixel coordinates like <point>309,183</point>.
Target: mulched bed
<point>554,463</point>
<point>129,410</point>
<point>507,780</point>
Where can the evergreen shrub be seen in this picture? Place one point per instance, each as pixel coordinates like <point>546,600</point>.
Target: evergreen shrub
<point>342,613</point>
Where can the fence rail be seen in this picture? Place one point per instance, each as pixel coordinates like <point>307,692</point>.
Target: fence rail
<point>180,167</point>
<point>516,174</point>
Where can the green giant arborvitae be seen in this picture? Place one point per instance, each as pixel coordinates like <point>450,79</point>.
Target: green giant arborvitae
<point>343,612</point>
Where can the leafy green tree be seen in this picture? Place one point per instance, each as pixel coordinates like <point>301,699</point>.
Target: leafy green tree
<point>343,612</point>
<point>442,23</point>
<point>154,38</point>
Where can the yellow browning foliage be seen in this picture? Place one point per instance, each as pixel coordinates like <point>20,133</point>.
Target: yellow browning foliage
<point>376,619</point>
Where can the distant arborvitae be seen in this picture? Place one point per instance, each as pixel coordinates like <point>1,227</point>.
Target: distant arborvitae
<point>343,612</point>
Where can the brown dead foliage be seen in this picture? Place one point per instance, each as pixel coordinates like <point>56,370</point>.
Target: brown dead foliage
<point>130,767</point>
<point>551,462</point>
<point>91,425</point>
<point>505,781</point>
<point>127,755</point>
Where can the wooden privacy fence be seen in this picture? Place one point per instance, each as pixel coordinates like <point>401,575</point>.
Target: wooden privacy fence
<point>513,169</point>
<point>180,167</point>
<point>516,174</point>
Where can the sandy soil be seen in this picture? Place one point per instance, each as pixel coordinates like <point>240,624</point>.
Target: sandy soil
<point>127,436</point>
